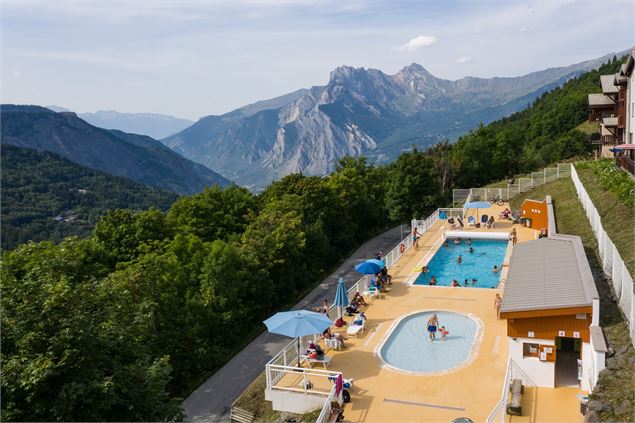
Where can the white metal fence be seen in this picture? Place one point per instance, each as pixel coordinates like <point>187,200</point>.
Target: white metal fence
<point>612,262</point>
<point>513,372</point>
<point>519,186</point>
<point>326,409</point>
<point>301,379</point>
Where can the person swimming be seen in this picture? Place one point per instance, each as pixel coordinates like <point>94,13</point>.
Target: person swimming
<point>433,280</point>
<point>473,281</point>
<point>495,269</point>
<point>471,250</point>
<point>465,283</point>
<point>459,259</point>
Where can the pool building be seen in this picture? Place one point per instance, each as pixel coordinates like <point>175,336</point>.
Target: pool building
<point>552,310</point>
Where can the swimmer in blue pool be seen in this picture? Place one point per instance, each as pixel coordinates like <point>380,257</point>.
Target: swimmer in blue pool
<point>459,259</point>
<point>471,250</point>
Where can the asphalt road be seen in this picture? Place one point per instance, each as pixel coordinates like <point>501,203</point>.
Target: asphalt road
<point>211,401</point>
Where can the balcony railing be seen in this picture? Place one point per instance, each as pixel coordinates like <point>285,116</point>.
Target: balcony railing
<point>626,163</point>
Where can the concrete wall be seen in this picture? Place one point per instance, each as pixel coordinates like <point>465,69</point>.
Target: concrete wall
<point>294,402</point>
<point>629,136</point>
<point>588,367</point>
<point>539,372</point>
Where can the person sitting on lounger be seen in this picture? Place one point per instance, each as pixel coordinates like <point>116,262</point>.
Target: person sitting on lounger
<point>433,281</point>
<point>504,214</point>
<point>490,222</point>
<point>359,300</point>
<point>359,319</point>
<point>327,334</point>
<point>384,274</point>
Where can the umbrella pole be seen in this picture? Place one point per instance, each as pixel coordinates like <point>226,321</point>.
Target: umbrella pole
<point>298,351</point>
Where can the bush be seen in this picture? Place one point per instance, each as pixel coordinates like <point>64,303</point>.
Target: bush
<point>612,179</point>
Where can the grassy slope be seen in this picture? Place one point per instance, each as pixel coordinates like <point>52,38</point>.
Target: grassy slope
<point>616,386</point>
<point>617,219</point>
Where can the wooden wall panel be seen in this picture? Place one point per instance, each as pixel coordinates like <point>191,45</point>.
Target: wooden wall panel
<point>548,327</point>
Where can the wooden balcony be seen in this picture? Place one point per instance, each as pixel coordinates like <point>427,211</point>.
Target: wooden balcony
<point>625,163</point>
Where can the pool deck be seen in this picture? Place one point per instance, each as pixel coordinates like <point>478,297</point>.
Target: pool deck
<point>381,394</point>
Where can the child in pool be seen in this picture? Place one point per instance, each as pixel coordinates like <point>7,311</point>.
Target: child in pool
<point>444,332</point>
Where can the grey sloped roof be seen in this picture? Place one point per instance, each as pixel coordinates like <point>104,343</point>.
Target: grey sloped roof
<point>608,87</point>
<point>548,273</point>
<point>600,100</point>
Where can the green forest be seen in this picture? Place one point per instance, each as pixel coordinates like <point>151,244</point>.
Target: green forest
<point>122,324</point>
<point>37,187</point>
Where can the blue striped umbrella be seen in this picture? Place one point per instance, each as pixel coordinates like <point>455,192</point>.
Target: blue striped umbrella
<point>341,296</point>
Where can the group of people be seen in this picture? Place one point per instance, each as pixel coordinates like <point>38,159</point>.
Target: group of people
<point>433,327</point>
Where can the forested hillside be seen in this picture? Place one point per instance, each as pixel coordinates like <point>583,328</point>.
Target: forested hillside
<point>120,325</point>
<point>48,197</point>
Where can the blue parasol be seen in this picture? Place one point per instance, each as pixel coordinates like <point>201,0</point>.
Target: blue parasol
<point>297,323</point>
<point>341,296</point>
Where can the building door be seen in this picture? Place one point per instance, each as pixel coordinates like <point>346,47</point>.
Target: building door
<point>567,355</point>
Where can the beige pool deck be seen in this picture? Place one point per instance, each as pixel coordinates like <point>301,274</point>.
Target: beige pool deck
<point>381,394</point>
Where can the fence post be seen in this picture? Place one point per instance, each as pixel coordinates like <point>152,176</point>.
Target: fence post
<point>284,356</point>
<point>304,381</point>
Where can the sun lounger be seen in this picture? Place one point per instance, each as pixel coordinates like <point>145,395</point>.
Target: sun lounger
<point>310,361</point>
<point>373,292</point>
<point>355,329</point>
<point>484,219</point>
<point>471,221</point>
<point>332,343</point>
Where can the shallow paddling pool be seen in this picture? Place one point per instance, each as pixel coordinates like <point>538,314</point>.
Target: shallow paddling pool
<point>409,348</point>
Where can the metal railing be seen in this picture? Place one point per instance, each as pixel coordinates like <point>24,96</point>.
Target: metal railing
<point>519,186</point>
<point>513,372</point>
<point>326,408</point>
<point>300,379</point>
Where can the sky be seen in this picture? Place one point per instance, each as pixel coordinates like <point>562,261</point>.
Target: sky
<point>196,58</point>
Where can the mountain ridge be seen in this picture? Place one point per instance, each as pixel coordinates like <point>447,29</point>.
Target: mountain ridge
<point>139,158</point>
<point>358,112</point>
<point>155,125</point>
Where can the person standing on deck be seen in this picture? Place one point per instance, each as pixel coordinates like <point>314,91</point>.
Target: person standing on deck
<point>415,238</point>
<point>497,305</point>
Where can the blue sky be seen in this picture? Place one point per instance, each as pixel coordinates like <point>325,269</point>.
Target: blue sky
<point>195,58</point>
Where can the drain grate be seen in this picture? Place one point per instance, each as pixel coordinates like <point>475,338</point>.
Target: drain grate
<point>424,404</point>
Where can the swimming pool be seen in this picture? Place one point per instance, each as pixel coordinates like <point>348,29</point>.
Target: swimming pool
<point>478,264</point>
<point>409,348</point>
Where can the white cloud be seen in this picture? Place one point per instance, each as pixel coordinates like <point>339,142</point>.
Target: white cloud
<point>16,73</point>
<point>417,43</point>
<point>463,60</point>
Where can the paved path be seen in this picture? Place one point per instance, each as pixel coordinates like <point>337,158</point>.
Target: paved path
<point>212,400</point>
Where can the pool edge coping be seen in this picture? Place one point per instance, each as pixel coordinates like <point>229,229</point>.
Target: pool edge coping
<point>476,345</point>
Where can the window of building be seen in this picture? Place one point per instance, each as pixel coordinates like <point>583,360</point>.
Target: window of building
<point>531,350</point>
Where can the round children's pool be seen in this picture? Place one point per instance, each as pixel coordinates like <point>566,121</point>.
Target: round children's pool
<point>408,346</point>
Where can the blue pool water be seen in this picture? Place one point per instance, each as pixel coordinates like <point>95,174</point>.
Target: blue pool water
<point>409,347</point>
<point>444,266</point>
